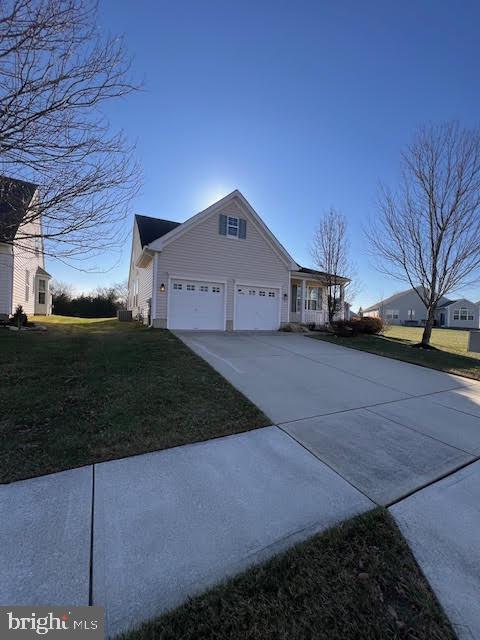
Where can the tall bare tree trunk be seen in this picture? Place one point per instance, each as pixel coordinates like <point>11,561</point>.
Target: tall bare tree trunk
<point>427,331</point>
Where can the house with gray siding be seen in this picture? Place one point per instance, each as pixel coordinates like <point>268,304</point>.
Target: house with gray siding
<point>406,308</point>
<point>222,269</point>
<point>23,278</point>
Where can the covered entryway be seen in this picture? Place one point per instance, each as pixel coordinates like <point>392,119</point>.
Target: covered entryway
<point>196,305</point>
<point>256,308</point>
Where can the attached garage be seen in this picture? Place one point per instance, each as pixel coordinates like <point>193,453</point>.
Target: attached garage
<point>196,305</point>
<point>256,308</point>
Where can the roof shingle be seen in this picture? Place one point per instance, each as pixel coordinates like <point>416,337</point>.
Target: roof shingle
<point>15,197</point>
<point>150,229</point>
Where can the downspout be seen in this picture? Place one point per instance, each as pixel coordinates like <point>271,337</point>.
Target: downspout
<point>153,310</point>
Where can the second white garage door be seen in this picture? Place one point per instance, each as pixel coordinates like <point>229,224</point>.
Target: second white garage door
<point>196,305</point>
<point>257,308</point>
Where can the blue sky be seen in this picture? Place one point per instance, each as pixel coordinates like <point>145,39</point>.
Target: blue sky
<point>301,105</point>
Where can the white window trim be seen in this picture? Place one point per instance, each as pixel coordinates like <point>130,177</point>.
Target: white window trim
<point>228,235</point>
<point>392,314</point>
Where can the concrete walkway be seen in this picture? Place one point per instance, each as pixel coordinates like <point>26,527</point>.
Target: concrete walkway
<point>140,535</point>
<point>442,525</point>
<point>388,427</point>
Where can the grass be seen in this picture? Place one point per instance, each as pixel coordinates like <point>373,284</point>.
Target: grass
<point>358,580</point>
<point>86,391</point>
<point>452,355</point>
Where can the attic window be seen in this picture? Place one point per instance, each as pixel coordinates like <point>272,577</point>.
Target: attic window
<point>232,226</point>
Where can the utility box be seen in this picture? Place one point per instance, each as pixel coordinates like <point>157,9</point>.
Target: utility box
<point>474,341</point>
<point>124,315</point>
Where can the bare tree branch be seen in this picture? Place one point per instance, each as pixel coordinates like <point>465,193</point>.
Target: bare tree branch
<point>428,233</point>
<point>56,73</point>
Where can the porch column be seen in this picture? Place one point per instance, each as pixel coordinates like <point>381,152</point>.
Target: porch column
<point>342,301</point>
<point>304,297</point>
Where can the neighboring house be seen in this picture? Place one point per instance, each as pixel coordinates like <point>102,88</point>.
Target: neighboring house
<point>23,279</point>
<point>222,269</point>
<point>406,308</point>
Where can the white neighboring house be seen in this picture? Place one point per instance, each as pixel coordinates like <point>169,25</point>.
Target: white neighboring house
<point>406,308</point>
<point>221,269</point>
<point>23,279</point>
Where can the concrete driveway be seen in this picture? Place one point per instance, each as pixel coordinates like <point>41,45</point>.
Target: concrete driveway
<point>387,427</point>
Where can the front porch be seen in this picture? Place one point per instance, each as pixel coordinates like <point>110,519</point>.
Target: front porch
<point>309,299</point>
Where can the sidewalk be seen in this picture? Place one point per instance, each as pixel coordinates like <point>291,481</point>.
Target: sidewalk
<point>164,525</point>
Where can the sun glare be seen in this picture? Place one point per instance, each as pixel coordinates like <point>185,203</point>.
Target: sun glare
<point>212,195</point>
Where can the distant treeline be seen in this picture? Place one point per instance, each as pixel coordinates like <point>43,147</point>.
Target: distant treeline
<point>102,303</point>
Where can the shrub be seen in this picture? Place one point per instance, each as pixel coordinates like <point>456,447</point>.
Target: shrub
<point>19,318</point>
<point>368,326</point>
<point>293,327</point>
<point>343,328</point>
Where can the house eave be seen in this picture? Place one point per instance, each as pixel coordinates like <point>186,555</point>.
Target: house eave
<point>145,257</point>
<point>301,275</point>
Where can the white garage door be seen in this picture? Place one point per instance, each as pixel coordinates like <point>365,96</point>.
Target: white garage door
<point>257,308</point>
<point>196,305</point>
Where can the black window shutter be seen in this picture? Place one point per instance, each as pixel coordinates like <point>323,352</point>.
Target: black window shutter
<point>242,228</point>
<point>222,224</point>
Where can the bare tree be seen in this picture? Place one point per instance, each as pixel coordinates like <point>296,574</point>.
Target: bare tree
<point>60,288</point>
<point>56,73</point>
<point>331,254</point>
<point>428,233</point>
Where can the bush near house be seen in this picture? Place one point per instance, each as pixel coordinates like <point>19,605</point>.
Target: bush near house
<point>356,326</point>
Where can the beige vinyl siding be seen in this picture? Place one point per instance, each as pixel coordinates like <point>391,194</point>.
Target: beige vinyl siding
<point>203,252</point>
<point>25,263</point>
<point>6,272</point>
<point>141,277</point>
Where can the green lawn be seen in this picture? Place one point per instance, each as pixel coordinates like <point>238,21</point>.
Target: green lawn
<point>452,355</point>
<point>358,580</point>
<point>91,390</point>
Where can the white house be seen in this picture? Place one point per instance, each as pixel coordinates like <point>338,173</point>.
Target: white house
<point>23,279</point>
<point>222,269</point>
<point>406,308</point>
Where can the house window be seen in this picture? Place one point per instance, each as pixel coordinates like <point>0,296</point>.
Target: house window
<point>215,289</point>
<point>232,226</point>
<point>261,293</point>
<point>190,287</point>
<point>27,285</point>
<point>271,294</point>
<point>313,301</point>
<point>411,314</point>
<point>203,288</point>
<point>392,314</point>
<point>462,314</point>
<point>177,285</point>
<point>41,291</point>
<point>252,292</point>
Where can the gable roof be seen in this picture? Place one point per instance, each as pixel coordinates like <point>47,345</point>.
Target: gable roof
<point>150,229</point>
<point>448,303</point>
<point>15,197</point>
<point>216,207</point>
<point>41,272</point>
<point>400,294</point>
<point>395,296</point>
